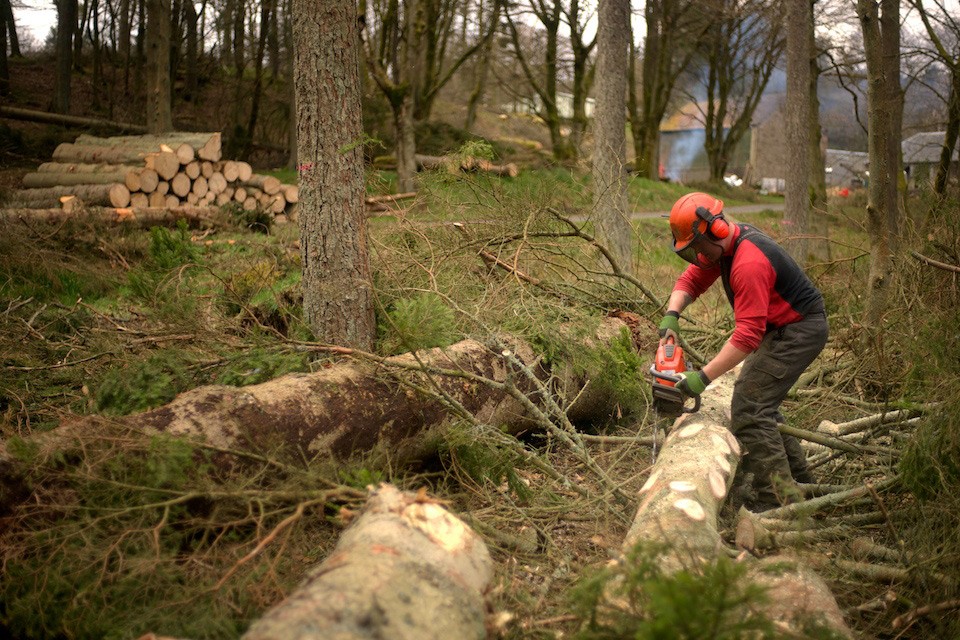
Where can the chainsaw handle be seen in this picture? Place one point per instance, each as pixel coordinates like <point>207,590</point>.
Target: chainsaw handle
<point>669,377</point>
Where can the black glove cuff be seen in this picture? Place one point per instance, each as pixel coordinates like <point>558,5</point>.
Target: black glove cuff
<point>703,376</point>
<point>675,314</point>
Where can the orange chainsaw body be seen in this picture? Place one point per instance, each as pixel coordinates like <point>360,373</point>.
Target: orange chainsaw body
<point>667,366</point>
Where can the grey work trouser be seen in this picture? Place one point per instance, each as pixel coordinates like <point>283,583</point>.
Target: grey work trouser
<point>773,459</point>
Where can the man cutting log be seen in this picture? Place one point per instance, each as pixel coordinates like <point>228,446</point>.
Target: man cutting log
<point>780,329</point>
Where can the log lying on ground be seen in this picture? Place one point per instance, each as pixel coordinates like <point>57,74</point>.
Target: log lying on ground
<point>114,195</point>
<point>406,568</point>
<point>454,163</point>
<point>354,405</point>
<point>40,179</point>
<point>689,481</point>
<point>680,502</point>
<point>147,216</point>
<point>205,145</point>
<point>267,184</point>
<point>29,115</point>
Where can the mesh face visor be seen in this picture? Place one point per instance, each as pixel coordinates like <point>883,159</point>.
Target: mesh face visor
<point>688,253</point>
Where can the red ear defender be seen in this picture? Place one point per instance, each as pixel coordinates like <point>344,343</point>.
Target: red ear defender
<point>716,225</point>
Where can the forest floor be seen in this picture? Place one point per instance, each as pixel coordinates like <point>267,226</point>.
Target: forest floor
<point>114,320</point>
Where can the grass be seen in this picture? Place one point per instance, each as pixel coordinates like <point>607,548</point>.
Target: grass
<point>116,320</point>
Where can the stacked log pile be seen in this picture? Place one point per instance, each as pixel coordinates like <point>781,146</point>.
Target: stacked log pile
<point>169,171</point>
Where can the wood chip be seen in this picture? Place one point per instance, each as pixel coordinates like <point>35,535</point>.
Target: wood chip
<point>691,508</point>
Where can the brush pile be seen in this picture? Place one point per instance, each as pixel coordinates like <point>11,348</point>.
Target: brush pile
<point>168,171</point>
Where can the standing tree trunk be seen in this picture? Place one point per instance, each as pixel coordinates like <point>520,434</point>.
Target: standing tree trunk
<point>4,71</point>
<point>159,116</point>
<point>190,18</point>
<point>582,76</point>
<point>819,245</point>
<point>796,215</point>
<point>950,138</point>
<point>267,13</point>
<point>881,36</point>
<point>66,23</point>
<point>483,63</point>
<point>395,65</point>
<point>609,172</point>
<point>337,284</point>
<point>6,18</point>
<point>123,39</point>
<point>548,109</point>
<point>291,89</point>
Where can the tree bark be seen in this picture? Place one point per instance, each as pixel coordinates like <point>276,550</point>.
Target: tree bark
<point>66,24</point>
<point>123,38</point>
<point>609,157</point>
<point>159,115</point>
<point>190,18</point>
<point>406,568</point>
<point>42,179</point>
<point>337,283</point>
<point>4,69</point>
<point>881,37</point>
<point>679,506</point>
<point>145,217</point>
<point>6,18</point>
<point>950,136</point>
<point>819,223</point>
<point>798,18</point>
<point>355,406</point>
<point>112,195</point>
<point>482,68</point>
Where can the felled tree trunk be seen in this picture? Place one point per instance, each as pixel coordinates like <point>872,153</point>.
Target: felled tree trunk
<point>689,481</point>
<point>406,568</point>
<point>147,216</point>
<point>354,406</point>
<point>679,505</point>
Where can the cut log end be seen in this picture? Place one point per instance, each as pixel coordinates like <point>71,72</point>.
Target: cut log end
<point>691,508</point>
<point>690,430</point>
<point>119,195</point>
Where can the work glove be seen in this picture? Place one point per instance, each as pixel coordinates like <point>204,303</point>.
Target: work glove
<point>693,383</point>
<point>670,326</point>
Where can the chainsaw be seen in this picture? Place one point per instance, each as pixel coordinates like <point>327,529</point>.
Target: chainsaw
<point>668,400</point>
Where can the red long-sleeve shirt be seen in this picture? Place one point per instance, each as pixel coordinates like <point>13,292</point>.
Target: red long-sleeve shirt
<point>765,286</point>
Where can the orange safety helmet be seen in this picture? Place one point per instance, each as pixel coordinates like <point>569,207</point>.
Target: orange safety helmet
<point>696,215</point>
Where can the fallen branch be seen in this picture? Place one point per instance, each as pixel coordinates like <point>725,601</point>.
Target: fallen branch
<point>861,424</point>
<point>935,263</point>
<point>911,616</point>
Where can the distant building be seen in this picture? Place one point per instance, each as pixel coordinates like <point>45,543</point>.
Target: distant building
<point>759,158</point>
<point>682,156</point>
<point>533,105</point>
<point>846,168</point>
<point>921,155</point>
